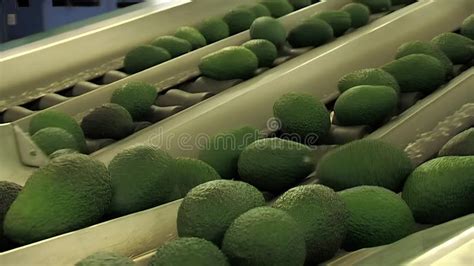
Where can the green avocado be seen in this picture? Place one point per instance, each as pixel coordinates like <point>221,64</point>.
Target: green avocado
<point>71,192</point>
<point>136,97</point>
<point>140,180</point>
<point>377,216</point>
<point>221,201</point>
<point>233,62</point>
<point>143,57</point>
<point>189,251</point>
<point>174,45</point>
<point>323,216</point>
<point>265,236</point>
<point>109,120</point>
<point>105,259</point>
<point>364,162</point>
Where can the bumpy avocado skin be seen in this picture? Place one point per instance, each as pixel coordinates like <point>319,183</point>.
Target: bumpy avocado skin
<point>143,57</point>
<point>467,27</point>
<point>265,51</point>
<point>61,120</point>
<point>136,97</point>
<point>377,216</point>
<point>223,150</point>
<point>368,76</point>
<point>364,162</point>
<point>460,145</point>
<point>265,236</point>
<point>139,179</point>
<point>278,8</point>
<point>51,139</point>
<point>302,114</point>
<point>417,72</point>
<point>312,32</point>
<point>187,173</point>
<point>192,35</point>
<point>441,189</point>
<point>71,192</point>
<point>420,47</point>
<point>174,45</point>
<point>260,10</point>
<point>275,164</point>
<point>458,48</point>
<point>239,19</point>
<point>365,105</point>
<point>189,251</point>
<point>109,120</point>
<point>340,21</point>
<point>323,216</point>
<point>221,201</point>
<point>233,62</point>
<point>360,14</point>
<point>8,193</point>
<point>105,259</point>
<point>214,29</point>
<point>270,29</point>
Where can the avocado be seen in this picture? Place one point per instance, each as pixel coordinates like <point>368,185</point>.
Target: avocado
<point>221,201</point>
<point>187,173</point>
<point>417,72</point>
<point>265,236</point>
<point>377,216</point>
<point>108,121</point>
<point>189,251</point>
<point>302,115</point>
<point>239,19</point>
<point>360,14</point>
<point>139,179</point>
<point>260,10</point>
<point>270,29</point>
<point>174,45</point>
<point>214,29</point>
<point>365,105</point>
<point>298,4</point>
<point>143,57</point>
<point>340,21</point>
<point>136,97</point>
<point>62,152</point>
<point>51,139</point>
<point>8,193</point>
<point>275,165</point>
<point>223,150</point>
<point>278,8</point>
<point>427,48</point>
<point>460,145</point>
<point>51,118</point>
<point>458,48</point>
<point>368,76</point>
<point>70,192</point>
<point>105,259</point>
<point>441,189</point>
<point>364,162</point>
<point>233,62</point>
<point>192,35</point>
<point>467,27</point>
<point>322,214</point>
<point>376,6</point>
<point>265,51</point>
<point>312,32</point>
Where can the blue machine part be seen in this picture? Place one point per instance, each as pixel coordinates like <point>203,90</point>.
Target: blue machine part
<point>23,18</point>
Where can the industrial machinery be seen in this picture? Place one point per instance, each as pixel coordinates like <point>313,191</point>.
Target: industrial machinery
<point>78,70</point>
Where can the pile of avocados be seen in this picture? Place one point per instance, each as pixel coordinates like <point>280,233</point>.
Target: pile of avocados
<point>242,198</point>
